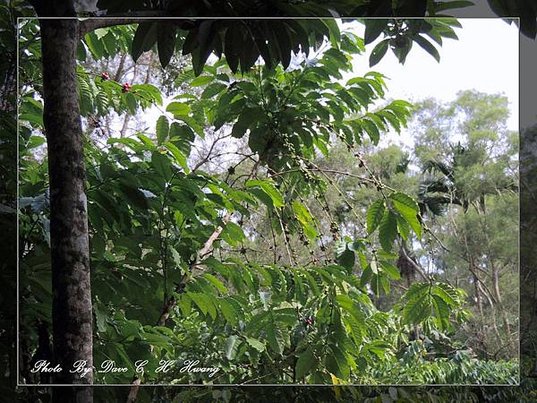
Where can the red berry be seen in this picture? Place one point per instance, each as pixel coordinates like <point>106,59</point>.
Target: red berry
<point>105,76</point>
<point>125,87</point>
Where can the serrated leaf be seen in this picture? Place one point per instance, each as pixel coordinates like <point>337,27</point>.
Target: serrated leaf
<point>374,215</point>
<point>408,208</point>
<point>387,230</point>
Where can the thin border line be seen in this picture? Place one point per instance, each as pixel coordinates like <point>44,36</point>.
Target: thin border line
<point>18,198</point>
<point>19,19</point>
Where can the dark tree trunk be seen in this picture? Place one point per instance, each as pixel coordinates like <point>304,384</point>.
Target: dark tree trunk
<point>72,312</point>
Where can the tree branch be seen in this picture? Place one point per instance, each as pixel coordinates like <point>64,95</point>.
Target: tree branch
<point>415,265</point>
<point>92,24</point>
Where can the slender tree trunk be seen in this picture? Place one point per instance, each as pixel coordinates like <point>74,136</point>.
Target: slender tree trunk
<point>72,312</point>
<point>477,289</point>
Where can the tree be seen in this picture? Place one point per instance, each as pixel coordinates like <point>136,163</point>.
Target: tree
<point>476,171</point>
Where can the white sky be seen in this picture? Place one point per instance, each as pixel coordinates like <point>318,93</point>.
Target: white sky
<point>484,58</point>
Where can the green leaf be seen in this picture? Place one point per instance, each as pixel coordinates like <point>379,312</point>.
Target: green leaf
<point>274,337</point>
<point>178,109</point>
<point>204,302</point>
<point>417,303</point>
<point>378,52</point>
<point>35,141</point>
<point>132,105</point>
<point>402,227</point>
<point>269,189</point>
<point>95,45</point>
<point>232,234</point>
<point>345,255</point>
<point>374,215</point>
<point>144,39</point>
<point>212,90</point>
<point>161,164</point>
<point>448,5</point>
<point>230,313</point>
<point>133,195</point>
<point>162,129</point>
<point>391,271</point>
<point>215,282</point>
<point>374,267</point>
<point>373,28</point>
<point>427,46</point>
<point>245,120</point>
<point>166,35</point>
<point>255,343</point>
<point>232,345</point>
<point>408,208</point>
<point>336,363</point>
<point>387,230</point>
<point>305,218</point>
<point>177,155</point>
<point>446,293</point>
<point>305,363</point>
<point>201,81</point>
<point>34,118</point>
<point>372,130</point>
<point>182,136</point>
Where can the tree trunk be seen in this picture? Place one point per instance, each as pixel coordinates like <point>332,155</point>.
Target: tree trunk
<point>72,312</point>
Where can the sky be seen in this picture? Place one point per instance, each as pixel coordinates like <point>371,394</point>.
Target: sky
<point>484,58</point>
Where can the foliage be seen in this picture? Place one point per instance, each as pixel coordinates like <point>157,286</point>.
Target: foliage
<point>164,286</point>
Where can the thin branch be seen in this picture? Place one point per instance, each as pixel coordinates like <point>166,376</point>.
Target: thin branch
<point>211,149</point>
<point>415,265</point>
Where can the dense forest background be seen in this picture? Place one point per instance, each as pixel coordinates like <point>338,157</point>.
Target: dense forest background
<point>463,189</point>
